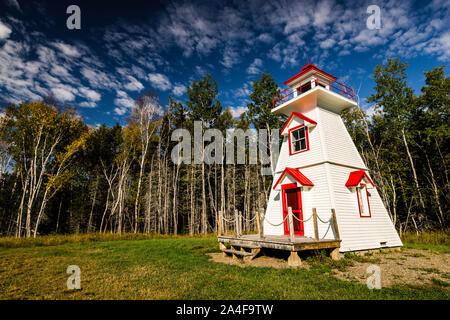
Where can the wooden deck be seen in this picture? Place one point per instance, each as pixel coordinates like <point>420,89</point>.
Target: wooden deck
<point>278,242</point>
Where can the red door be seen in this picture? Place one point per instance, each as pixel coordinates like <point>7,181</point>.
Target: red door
<point>292,198</point>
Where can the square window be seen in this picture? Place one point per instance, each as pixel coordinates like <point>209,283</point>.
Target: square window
<point>298,139</point>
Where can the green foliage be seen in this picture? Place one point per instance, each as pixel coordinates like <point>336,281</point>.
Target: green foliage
<point>202,102</point>
<point>260,109</point>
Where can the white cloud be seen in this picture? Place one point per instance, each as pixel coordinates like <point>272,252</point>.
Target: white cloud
<point>133,85</point>
<point>88,104</point>
<point>90,94</point>
<point>97,78</point>
<point>242,92</point>
<point>179,89</point>
<point>238,111</point>
<point>440,46</point>
<point>265,37</point>
<point>327,43</point>
<point>123,101</point>
<point>230,57</point>
<point>67,49</point>
<point>63,94</point>
<point>5,31</point>
<point>254,67</point>
<point>159,81</point>
<point>120,111</point>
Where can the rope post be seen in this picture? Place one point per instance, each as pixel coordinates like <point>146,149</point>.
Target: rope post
<point>261,217</point>
<point>316,230</point>
<point>220,224</point>
<point>240,223</point>
<point>258,227</point>
<point>291,224</point>
<point>336,229</point>
<point>236,222</point>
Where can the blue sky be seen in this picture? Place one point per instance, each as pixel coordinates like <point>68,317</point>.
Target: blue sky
<point>127,47</point>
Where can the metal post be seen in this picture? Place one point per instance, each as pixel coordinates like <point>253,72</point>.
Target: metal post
<point>291,224</point>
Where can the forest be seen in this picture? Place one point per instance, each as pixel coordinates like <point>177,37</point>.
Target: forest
<point>60,175</point>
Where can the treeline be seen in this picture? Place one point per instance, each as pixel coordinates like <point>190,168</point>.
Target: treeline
<point>58,175</point>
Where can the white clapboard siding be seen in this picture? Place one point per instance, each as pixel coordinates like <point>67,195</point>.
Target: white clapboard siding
<point>359,233</point>
<point>338,143</point>
<point>313,156</point>
<point>316,197</point>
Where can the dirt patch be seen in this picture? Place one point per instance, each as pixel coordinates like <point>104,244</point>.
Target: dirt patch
<point>405,267</point>
<point>262,261</point>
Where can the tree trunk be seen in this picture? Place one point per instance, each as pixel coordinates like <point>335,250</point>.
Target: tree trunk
<point>413,169</point>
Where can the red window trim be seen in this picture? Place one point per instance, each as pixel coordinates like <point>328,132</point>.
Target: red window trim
<point>300,205</point>
<point>290,143</point>
<point>368,203</point>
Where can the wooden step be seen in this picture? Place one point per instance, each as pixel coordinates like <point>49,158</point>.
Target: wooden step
<point>248,246</point>
<point>238,253</point>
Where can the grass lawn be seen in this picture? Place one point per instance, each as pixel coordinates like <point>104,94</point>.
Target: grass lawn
<point>170,268</point>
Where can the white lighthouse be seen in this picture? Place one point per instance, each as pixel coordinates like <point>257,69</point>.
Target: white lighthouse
<point>319,167</point>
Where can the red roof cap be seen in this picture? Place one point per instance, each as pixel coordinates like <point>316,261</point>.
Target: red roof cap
<point>355,178</point>
<point>307,68</point>
<point>297,175</point>
<point>309,65</point>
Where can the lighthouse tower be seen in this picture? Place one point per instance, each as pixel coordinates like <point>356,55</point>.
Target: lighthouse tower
<point>320,168</point>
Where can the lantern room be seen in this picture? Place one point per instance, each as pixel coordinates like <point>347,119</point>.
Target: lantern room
<point>310,87</point>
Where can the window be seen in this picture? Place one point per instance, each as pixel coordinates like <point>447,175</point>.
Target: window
<point>363,201</point>
<point>298,139</point>
<point>304,88</point>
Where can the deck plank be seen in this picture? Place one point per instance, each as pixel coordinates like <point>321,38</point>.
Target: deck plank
<point>280,242</point>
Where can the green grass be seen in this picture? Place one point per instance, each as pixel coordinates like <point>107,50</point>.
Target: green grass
<point>436,241</point>
<point>170,268</point>
<point>438,237</point>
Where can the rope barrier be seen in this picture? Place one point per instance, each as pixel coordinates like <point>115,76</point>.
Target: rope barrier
<point>276,225</point>
<point>229,221</point>
<point>325,234</point>
<point>264,218</point>
<point>306,220</point>
<point>329,220</point>
<point>250,220</point>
